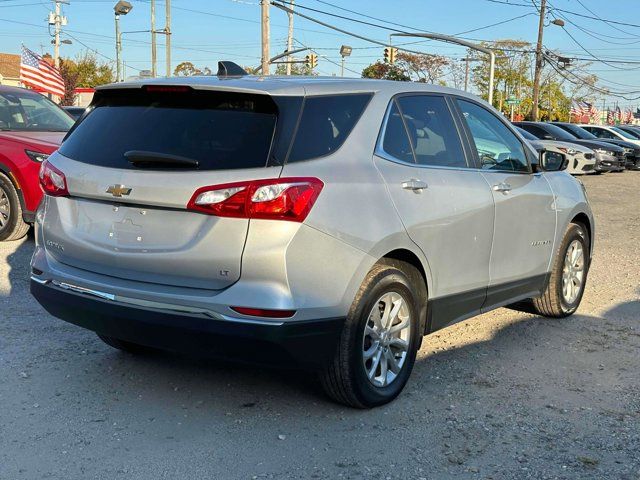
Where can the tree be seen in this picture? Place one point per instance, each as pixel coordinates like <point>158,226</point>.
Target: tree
<point>188,69</point>
<point>85,71</point>
<point>386,71</point>
<point>296,69</point>
<point>422,68</point>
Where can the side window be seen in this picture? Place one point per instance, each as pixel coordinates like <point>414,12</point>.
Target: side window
<point>602,133</point>
<point>535,131</point>
<point>432,131</point>
<point>395,141</point>
<point>498,148</point>
<point>325,124</point>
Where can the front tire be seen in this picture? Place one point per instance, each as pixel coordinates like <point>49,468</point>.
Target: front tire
<point>568,275</point>
<point>380,339</point>
<point>12,226</point>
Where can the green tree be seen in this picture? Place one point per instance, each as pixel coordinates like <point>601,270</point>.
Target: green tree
<point>386,71</point>
<point>423,68</point>
<point>85,71</point>
<point>188,69</point>
<point>296,69</point>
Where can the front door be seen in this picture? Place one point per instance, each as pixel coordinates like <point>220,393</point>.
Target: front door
<point>525,215</point>
<point>444,203</point>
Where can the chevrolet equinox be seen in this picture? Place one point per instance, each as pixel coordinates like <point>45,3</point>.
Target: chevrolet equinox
<point>321,223</point>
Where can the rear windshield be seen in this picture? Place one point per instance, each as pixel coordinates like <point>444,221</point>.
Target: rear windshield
<point>217,129</point>
<point>325,124</point>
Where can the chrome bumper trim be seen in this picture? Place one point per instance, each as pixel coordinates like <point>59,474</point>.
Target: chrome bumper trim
<point>152,304</point>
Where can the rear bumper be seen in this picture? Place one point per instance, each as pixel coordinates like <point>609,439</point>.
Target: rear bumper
<point>308,344</point>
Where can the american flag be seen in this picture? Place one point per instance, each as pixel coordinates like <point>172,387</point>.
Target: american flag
<point>577,110</point>
<point>37,73</point>
<point>610,117</point>
<point>618,116</point>
<point>594,113</point>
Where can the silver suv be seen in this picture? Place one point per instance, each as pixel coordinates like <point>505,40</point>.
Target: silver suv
<point>321,223</point>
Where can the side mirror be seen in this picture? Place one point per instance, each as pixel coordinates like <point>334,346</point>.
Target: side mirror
<point>552,161</point>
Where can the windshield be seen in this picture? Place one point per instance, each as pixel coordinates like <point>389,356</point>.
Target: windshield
<point>580,132</point>
<point>558,133</point>
<point>27,111</point>
<point>623,133</point>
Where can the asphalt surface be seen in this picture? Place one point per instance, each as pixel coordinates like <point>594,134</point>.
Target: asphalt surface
<point>504,395</point>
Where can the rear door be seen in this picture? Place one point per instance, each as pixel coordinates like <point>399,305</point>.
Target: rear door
<point>128,219</point>
<point>525,215</point>
<point>442,199</point>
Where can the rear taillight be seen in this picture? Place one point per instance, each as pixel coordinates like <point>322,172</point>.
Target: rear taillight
<point>52,180</point>
<point>274,199</point>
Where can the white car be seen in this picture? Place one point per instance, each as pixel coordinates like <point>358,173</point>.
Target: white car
<point>612,133</point>
<point>582,160</point>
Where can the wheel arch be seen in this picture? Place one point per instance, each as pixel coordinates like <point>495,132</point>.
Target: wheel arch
<point>6,171</point>
<point>584,220</point>
<point>404,255</point>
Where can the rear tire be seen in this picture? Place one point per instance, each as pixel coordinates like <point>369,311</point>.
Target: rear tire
<point>123,345</point>
<point>373,334</point>
<point>12,226</point>
<point>562,296</point>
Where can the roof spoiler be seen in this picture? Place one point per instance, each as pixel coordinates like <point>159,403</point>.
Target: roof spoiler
<point>230,69</point>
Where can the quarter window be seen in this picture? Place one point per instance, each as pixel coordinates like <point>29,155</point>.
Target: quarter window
<point>498,147</point>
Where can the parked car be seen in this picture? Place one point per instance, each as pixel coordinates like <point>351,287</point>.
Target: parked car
<point>325,223</point>
<point>631,151</point>
<point>581,160</point>
<point>634,130</point>
<point>31,128</point>
<point>609,158</point>
<point>75,112</point>
<point>610,133</point>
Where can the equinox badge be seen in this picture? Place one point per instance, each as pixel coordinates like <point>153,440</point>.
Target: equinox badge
<point>118,190</point>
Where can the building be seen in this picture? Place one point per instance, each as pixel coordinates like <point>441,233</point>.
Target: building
<point>10,69</point>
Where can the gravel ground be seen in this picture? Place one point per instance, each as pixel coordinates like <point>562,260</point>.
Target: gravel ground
<point>504,395</point>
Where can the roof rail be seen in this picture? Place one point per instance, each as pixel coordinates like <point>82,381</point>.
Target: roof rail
<point>230,69</point>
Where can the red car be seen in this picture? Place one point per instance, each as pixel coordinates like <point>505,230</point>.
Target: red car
<point>31,128</point>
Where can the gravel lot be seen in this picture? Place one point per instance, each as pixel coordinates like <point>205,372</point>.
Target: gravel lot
<point>504,395</point>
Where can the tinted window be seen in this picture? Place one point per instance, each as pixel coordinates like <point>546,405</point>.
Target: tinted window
<point>396,141</point>
<point>432,131</point>
<point>219,130</point>
<point>526,134</point>
<point>601,133</point>
<point>26,111</point>
<point>577,131</point>
<point>498,147</point>
<point>558,133</point>
<point>325,124</point>
<point>533,130</point>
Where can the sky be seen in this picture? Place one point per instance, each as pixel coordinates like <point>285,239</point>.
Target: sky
<point>205,31</point>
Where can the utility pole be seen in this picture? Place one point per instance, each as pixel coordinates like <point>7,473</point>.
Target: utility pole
<point>57,20</point>
<point>154,70</point>
<point>539,62</point>
<point>290,37</point>
<point>167,32</point>
<point>264,14</point>
<point>466,61</point>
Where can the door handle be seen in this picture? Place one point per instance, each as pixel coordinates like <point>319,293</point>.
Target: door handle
<point>415,185</point>
<point>502,187</point>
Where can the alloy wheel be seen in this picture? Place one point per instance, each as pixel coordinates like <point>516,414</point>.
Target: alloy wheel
<point>386,338</point>
<point>573,272</point>
<point>5,209</point>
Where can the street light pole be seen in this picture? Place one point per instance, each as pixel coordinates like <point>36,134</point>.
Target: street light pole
<point>121,8</point>
<point>118,47</point>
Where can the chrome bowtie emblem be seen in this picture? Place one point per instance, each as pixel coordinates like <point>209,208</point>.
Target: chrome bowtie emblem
<point>118,190</point>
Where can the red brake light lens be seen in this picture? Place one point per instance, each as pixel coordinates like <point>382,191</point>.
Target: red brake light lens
<point>52,180</point>
<point>275,199</point>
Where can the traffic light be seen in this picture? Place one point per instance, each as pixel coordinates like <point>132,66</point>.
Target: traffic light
<point>311,60</point>
<point>390,54</point>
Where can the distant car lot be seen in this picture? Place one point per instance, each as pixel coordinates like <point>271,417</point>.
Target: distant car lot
<point>505,395</point>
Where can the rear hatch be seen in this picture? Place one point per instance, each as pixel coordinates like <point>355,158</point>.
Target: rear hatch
<point>132,165</point>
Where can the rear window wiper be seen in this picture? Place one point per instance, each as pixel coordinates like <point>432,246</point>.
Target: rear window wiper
<point>141,158</point>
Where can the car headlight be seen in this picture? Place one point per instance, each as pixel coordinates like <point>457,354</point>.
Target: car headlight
<point>36,156</point>
<point>568,151</point>
<point>602,151</point>
<point>628,151</point>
